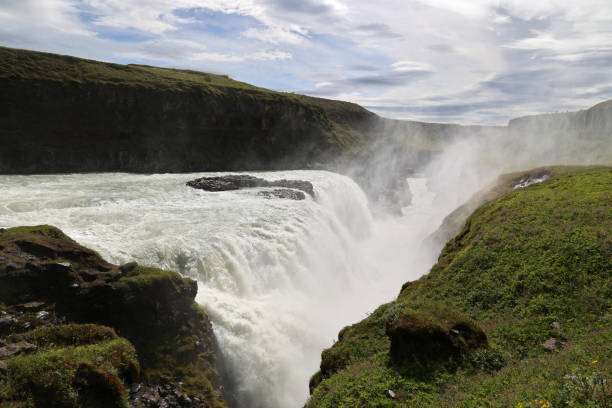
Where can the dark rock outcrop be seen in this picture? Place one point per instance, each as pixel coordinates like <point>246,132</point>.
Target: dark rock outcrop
<point>162,395</point>
<point>14,349</point>
<point>48,280</point>
<point>433,334</point>
<point>239,181</point>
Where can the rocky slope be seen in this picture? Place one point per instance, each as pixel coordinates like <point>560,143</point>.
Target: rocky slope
<point>516,313</point>
<point>76,331</point>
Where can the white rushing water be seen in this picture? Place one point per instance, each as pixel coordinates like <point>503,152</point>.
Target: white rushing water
<point>278,277</point>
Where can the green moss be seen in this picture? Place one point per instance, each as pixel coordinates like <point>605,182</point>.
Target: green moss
<point>524,260</point>
<point>43,235</point>
<point>66,335</point>
<point>61,377</point>
<point>47,231</point>
<point>145,275</point>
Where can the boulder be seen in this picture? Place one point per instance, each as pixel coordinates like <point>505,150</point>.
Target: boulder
<point>552,344</point>
<point>7,323</point>
<point>432,332</point>
<point>11,350</point>
<point>240,181</point>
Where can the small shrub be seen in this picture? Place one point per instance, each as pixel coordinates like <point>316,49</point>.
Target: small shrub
<point>581,390</point>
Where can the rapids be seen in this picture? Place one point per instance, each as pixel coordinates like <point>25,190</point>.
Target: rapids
<point>278,278</point>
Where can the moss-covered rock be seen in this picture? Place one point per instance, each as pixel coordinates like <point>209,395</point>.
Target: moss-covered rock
<point>531,264</point>
<point>433,332</point>
<point>151,309</point>
<point>68,376</point>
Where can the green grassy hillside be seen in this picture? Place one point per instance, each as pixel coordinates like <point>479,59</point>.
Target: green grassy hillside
<point>531,268</point>
<point>31,65</point>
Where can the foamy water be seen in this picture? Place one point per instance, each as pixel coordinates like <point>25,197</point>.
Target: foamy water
<point>278,277</point>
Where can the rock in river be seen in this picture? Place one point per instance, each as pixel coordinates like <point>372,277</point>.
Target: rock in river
<point>239,181</point>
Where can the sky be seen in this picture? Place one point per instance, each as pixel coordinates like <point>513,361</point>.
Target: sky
<point>459,61</point>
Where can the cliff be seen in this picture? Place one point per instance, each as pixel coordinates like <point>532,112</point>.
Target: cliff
<point>585,133</point>
<point>516,313</point>
<point>76,331</point>
<point>586,123</point>
<point>65,114</point>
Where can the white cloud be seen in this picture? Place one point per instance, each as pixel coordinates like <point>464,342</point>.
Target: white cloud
<point>475,52</point>
<point>277,35</point>
<point>257,56</point>
<point>217,57</point>
<point>411,66</point>
<point>270,55</point>
<point>59,16</point>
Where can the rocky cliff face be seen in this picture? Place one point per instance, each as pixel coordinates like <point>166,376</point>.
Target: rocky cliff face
<point>62,114</point>
<point>586,123</point>
<point>582,134</point>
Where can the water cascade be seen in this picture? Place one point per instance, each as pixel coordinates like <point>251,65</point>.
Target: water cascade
<point>278,277</point>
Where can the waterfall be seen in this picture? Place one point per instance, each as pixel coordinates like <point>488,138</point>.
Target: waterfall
<point>279,278</point>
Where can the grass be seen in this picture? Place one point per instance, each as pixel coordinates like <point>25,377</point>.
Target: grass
<point>32,65</point>
<point>47,231</point>
<point>524,260</point>
<point>27,65</point>
<point>43,235</point>
<point>66,335</point>
<point>68,376</point>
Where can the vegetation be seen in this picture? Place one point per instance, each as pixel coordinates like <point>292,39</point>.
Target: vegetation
<point>32,65</point>
<point>138,275</point>
<point>76,365</point>
<point>532,265</point>
<point>26,65</point>
<point>65,335</point>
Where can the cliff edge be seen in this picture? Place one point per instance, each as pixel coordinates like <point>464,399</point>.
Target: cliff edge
<point>516,313</point>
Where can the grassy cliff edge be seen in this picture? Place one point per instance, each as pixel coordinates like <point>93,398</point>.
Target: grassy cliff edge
<point>532,269</point>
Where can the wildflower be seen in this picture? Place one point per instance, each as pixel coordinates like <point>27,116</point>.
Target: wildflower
<point>594,361</point>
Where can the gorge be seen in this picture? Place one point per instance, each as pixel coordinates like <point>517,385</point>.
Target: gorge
<point>105,152</point>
